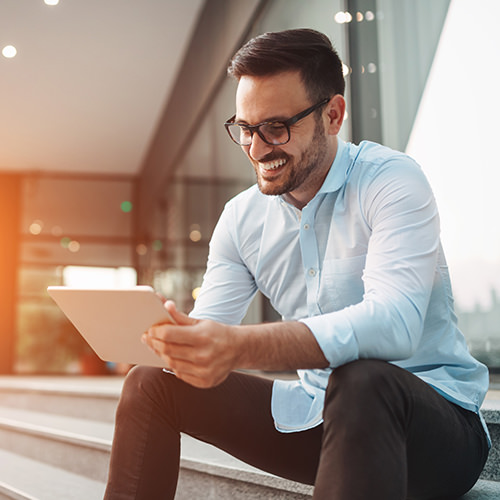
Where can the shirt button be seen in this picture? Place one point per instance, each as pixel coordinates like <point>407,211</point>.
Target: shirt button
<point>312,272</point>
<point>306,226</point>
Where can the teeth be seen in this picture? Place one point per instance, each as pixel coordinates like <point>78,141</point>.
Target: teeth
<point>273,165</point>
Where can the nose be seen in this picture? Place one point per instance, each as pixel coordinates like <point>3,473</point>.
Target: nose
<point>258,148</point>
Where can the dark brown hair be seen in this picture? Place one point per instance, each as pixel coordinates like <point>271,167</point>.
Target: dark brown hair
<point>305,50</point>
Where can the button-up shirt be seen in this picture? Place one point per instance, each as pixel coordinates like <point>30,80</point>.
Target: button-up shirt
<point>361,265</point>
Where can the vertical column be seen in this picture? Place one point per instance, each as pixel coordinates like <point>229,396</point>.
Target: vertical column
<point>222,28</point>
<point>365,84</point>
<point>10,206</point>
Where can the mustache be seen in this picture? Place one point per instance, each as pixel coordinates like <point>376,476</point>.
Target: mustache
<point>274,156</point>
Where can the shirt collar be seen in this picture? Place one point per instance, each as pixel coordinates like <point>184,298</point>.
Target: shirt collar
<point>338,171</point>
<point>336,176</point>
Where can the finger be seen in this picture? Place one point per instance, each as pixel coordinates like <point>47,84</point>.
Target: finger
<point>157,347</point>
<point>187,364</point>
<point>190,373</point>
<point>180,367</point>
<point>152,345</point>
<point>177,352</point>
<point>172,334</point>
<point>161,297</point>
<point>192,367</point>
<point>179,317</point>
<point>171,345</point>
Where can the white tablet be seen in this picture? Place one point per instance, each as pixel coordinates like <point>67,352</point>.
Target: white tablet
<point>112,321</point>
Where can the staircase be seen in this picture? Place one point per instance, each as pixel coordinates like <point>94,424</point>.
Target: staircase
<point>55,440</point>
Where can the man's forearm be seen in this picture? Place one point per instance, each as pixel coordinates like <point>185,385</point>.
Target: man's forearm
<point>277,346</point>
<point>204,352</point>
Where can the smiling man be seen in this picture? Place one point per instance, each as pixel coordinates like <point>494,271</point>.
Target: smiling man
<point>344,240</point>
<point>295,170</point>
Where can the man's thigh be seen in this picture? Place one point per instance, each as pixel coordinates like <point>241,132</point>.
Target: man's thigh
<point>236,417</point>
<point>446,447</point>
<point>409,431</point>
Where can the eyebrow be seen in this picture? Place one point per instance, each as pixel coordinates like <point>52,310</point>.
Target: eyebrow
<point>267,120</point>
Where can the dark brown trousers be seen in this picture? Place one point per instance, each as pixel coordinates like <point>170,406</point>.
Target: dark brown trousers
<point>386,435</point>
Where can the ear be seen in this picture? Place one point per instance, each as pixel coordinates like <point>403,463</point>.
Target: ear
<point>335,111</point>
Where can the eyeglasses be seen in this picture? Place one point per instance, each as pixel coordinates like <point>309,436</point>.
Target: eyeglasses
<point>274,133</point>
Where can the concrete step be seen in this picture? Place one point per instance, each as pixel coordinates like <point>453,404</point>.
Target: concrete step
<point>23,478</point>
<point>68,447</point>
<point>491,413</point>
<point>26,479</point>
<point>78,445</point>
<point>220,476</point>
<point>51,423</point>
<point>83,397</point>
<point>484,490</point>
<point>63,449</point>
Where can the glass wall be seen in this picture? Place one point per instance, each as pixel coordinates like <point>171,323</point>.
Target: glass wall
<point>75,231</point>
<point>429,90</point>
<point>452,137</point>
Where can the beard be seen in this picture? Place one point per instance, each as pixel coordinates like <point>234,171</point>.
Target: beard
<point>307,169</point>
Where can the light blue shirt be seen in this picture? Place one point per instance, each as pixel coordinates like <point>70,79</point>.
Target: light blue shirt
<point>361,265</point>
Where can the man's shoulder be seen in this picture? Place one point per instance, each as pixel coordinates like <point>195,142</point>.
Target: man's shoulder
<point>371,159</point>
<point>375,153</point>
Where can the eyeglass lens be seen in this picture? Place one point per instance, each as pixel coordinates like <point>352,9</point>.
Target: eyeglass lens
<point>273,133</point>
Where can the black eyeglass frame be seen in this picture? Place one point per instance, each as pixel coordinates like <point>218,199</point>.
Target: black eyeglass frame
<point>287,123</point>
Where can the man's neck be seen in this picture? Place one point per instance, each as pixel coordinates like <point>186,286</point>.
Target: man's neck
<point>304,194</point>
<point>296,202</point>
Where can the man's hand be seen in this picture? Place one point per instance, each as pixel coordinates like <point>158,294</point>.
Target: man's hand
<point>204,352</point>
<point>200,352</point>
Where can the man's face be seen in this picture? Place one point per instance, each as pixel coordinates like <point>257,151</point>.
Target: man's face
<point>299,167</point>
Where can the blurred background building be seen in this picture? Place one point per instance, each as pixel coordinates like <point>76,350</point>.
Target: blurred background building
<point>115,165</point>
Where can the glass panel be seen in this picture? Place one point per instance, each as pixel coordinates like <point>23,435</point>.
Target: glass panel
<point>443,115</point>
<point>452,136</point>
<point>54,207</point>
<point>407,33</point>
<point>46,341</point>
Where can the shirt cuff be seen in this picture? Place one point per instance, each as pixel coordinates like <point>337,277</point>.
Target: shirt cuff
<point>335,336</point>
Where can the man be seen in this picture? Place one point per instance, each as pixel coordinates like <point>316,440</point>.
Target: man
<point>344,240</point>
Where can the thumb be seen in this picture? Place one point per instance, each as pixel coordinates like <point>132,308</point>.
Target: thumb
<point>179,317</point>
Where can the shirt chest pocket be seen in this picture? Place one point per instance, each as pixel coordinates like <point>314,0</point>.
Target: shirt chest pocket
<point>341,283</point>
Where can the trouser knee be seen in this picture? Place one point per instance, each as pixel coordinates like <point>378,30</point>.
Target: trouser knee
<point>363,388</point>
<point>139,388</point>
